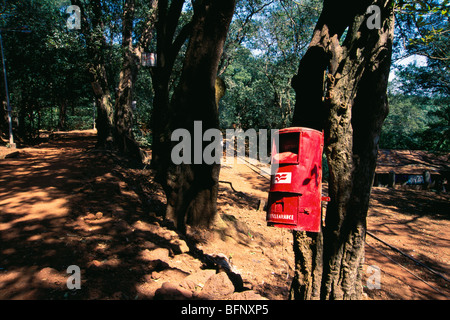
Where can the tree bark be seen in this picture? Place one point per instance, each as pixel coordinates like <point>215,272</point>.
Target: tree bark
<point>167,50</point>
<point>351,109</point>
<point>62,119</point>
<point>123,116</point>
<point>3,110</point>
<point>192,189</point>
<point>96,44</point>
<point>308,266</point>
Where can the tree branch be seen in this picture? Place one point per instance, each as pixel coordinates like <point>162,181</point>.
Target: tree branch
<point>146,35</point>
<point>181,38</point>
<point>173,16</point>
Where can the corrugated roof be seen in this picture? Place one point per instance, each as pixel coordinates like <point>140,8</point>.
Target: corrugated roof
<point>412,162</point>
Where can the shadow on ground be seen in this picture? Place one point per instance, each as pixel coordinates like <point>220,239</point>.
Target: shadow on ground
<point>66,203</point>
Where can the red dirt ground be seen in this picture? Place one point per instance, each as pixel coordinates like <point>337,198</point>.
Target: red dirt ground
<point>65,203</point>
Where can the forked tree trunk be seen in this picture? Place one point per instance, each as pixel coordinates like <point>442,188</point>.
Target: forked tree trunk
<point>167,50</point>
<point>123,116</point>
<point>192,189</point>
<point>96,43</point>
<point>131,55</point>
<point>351,109</point>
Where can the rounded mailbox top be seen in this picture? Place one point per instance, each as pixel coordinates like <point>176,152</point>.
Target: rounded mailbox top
<point>297,129</point>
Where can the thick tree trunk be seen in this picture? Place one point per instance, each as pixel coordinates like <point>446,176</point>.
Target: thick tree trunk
<point>310,112</point>
<point>308,84</point>
<point>4,129</point>
<point>192,189</point>
<point>123,117</point>
<point>355,101</point>
<point>308,266</point>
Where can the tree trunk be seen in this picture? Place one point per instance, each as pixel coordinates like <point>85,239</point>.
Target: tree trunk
<point>167,50</point>
<point>308,266</point>
<point>96,44</point>
<point>105,114</point>
<point>3,117</point>
<point>192,189</point>
<point>123,117</point>
<point>352,112</point>
<point>62,116</point>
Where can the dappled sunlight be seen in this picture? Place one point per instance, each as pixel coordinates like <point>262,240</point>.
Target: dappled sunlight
<point>87,210</point>
<point>35,205</point>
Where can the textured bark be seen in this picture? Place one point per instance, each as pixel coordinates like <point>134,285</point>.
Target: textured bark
<point>123,116</point>
<point>131,56</point>
<point>354,101</point>
<point>310,111</point>
<point>167,50</point>
<point>309,86</point>
<point>3,109</point>
<point>3,118</point>
<point>96,44</point>
<point>308,266</point>
<point>62,118</point>
<point>192,189</point>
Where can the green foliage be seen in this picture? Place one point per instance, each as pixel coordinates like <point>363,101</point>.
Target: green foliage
<point>249,101</point>
<point>420,102</point>
<point>405,123</point>
<point>437,135</point>
<point>267,38</point>
<point>45,68</point>
<point>263,60</point>
<point>417,123</point>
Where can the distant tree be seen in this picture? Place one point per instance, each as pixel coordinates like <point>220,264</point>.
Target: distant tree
<point>437,136</point>
<point>131,61</point>
<point>93,26</point>
<point>45,68</point>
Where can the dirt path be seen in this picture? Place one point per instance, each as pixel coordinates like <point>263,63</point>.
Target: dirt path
<point>49,200</point>
<point>64,203</point>
<point>417,223</point>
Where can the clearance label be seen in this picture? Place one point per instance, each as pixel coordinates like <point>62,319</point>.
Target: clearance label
<point>277,216</point>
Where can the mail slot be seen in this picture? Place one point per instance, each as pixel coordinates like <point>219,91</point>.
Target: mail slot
<point>295,196</point>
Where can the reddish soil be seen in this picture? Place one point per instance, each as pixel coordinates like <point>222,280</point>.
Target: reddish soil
<point>65,203</point>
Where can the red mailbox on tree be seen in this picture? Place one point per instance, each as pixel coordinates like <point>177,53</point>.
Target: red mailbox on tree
<point>295,198</point>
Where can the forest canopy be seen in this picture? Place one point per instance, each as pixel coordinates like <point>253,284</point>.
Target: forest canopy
<point>50,86</point>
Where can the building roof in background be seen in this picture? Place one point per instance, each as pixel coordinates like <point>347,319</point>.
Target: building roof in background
<point>412,162</point>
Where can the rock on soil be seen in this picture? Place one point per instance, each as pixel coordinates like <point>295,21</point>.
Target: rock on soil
<point>204,285</point>
<point>217,287</point>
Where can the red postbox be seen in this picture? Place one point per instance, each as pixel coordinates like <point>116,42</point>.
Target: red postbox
<point>295,197</point>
